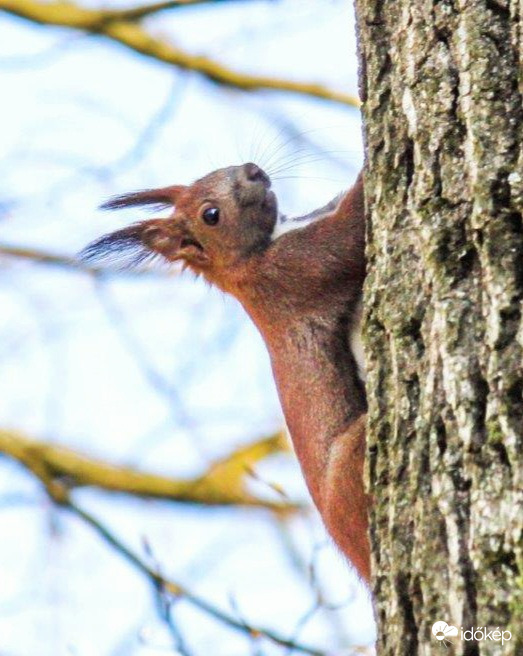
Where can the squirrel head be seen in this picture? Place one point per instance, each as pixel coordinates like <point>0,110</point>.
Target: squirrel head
<point>219,220</point>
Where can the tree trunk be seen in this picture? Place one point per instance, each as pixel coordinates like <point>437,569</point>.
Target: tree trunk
<point>441,82</point>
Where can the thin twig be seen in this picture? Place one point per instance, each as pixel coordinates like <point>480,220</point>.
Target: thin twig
<point>137,13</point>
<point>64,261</point>
<point>176,590</point>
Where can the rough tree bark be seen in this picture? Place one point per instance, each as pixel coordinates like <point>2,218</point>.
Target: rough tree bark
<point>441,82</point>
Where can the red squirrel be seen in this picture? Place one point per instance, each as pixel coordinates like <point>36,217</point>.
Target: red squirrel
<point>303,291</point>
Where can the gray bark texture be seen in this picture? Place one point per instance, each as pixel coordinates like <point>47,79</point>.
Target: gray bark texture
<point>442,84</point>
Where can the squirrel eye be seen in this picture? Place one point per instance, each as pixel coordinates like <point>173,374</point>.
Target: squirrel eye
<point>211,216</point>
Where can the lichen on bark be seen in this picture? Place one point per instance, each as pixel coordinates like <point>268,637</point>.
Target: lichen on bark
<point>442,85</point>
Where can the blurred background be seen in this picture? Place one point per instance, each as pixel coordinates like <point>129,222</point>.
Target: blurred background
<point>148,502</point>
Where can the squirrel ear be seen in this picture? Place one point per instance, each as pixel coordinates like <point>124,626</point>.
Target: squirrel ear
<point>123,249</point>
<point>157,198</point>
<point>143,241</point>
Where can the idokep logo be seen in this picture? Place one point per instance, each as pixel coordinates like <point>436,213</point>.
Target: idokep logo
<point>442,631</point>
<point>480,633</point>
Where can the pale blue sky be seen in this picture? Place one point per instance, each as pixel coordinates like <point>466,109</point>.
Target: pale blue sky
<point>76,356</point>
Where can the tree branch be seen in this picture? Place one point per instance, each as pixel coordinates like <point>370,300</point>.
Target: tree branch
<point>134,36</point>
<point>221,485</point>
<point>174,589</point>
<point>55,259</point>
<point>48,463</point>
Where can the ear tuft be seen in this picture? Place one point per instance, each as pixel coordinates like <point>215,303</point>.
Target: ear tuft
<point>124,249</point>
<point>158,199</point>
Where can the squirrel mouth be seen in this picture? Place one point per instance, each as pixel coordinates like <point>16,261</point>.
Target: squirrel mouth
<point>270,202</point>
<point>189,241</point>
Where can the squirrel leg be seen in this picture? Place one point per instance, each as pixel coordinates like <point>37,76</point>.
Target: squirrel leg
<point>344,502</point>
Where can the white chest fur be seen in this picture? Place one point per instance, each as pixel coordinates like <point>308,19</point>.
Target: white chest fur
<point>356,343</point>
<point>284,225</point>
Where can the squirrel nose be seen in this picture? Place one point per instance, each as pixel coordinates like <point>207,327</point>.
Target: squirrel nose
<point>255,174</point>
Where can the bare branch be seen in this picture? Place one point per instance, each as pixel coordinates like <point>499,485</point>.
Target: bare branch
<point>136,37</point>
<point>176,590</point>
<point>221,485</point>
<point>56,259</point>
<point>30,454</point>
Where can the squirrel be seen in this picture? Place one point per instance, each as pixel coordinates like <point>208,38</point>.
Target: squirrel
<point>300,280</point>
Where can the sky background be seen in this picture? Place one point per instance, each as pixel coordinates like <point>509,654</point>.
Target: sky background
<point>160,371</point>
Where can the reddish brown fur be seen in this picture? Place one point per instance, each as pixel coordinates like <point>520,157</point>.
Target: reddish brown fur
<point>301,291</point>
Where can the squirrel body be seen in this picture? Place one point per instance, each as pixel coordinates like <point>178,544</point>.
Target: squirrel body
<point>300,280</point>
